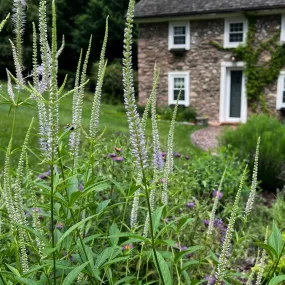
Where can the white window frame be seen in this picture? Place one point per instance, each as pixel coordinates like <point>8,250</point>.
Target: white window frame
<point>282,39</point>
<point>179,74</point>
<point>228,22</point>
<point>280,89</point>
<point>171,26</point>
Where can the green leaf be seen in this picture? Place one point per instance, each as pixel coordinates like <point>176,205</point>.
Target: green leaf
<point>49,250</point>
<point>190,263</point>
<point>114,231</point>
<point>73,274</point>
<point>275,240</point>
<point>269,249</point>
<point>156,218</point>
<point>103,256</point>
<point>26,281</point>
<point>14,270</point>
<point>277,280</point>
<point>72,185</point>
<point>102,206</point>
<point>182,223</point>
<point>191,249</point>
<point>164,268</point>
<point>70,230</point>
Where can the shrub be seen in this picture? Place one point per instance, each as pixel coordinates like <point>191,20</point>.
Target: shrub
<point>112,91</point>
<point>272,149</point>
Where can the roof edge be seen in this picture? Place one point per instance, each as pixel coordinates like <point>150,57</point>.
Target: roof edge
<point>211,12</point>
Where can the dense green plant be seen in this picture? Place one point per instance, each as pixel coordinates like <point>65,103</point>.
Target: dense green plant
<point>272,150</point>
<point>113,213</point>
<point>259,75</point>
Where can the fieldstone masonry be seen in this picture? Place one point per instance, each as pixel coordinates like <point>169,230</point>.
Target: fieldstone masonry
<point>202,60</point>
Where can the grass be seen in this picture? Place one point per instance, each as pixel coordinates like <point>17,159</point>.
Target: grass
<point>113,119</point>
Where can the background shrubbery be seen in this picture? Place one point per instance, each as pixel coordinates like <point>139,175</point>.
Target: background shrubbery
<point>272,149</point>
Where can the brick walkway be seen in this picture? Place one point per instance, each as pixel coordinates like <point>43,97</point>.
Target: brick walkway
<point>206,139</point>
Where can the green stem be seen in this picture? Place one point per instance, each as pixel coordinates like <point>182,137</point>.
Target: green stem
<point>151,229</point>
<point>71,211</point>
<point>274,266</point>
<point>52,219</point>
<point>2,279</point>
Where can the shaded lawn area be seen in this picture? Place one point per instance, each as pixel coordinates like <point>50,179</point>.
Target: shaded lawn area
<point>113,119</point>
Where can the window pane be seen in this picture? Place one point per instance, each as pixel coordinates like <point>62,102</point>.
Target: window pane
<point>284,83</point>
<point>180,30</point>
<point>182,95</point>
<point>179,40</point>
<point>236,38</point>
<point>236,27</point>
<point>283,100</point>
<point>179,83</point>
<point>235,95</point>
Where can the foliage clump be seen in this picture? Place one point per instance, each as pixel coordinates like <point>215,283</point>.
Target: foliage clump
<point>272,149</point>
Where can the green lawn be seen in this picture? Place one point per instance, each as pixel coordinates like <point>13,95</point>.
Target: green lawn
<point>113,119</point>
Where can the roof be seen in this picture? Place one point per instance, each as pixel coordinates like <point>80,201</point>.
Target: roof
<point>166,8</point>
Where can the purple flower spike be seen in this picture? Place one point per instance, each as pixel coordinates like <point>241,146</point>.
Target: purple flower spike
<point>127,247</point>
<point>119,158</point>
<point>177,154</point>
<point>206,222</point>
<point>45,175</point>
<point>211,280</point>
<point>81,187</point>
<point>59,226</point>
<point>190,205</point>
<point>112,155</point>
<point>218,194</point>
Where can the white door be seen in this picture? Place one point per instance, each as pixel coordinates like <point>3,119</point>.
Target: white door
<point>233,103</point>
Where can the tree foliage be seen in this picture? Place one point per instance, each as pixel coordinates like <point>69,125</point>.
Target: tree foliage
<point>77,20</point>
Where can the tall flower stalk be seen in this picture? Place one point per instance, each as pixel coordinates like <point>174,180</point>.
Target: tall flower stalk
<point>2,24</point>
<point>77,112</point>
<point>168,168</point>
<point>261,264</point>
<point>252,192</point>
<point>137,137</point>
<point>19,19</point>
<point>215,206</point>
<point>158,162</point>
<point>223,259</point>
<point>95,113</point>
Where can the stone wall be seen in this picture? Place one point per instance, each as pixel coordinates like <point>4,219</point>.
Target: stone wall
<point>202,60</point>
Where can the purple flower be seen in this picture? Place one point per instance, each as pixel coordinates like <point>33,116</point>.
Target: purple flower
<point>112,155</point>
<point>127,247</point>
<point>166,220</point>
<point>27,214</point>
<point>59,226</point>
<point>183,248</point>
<point>187,157</point>
<point>211,280</point>
<point>38,210</point>
<point>206,222</point>
<point>164,154</point>
<point>119,158</point>
<point>81,187</point>
<point>177,154</point>
<point>190,205</point>
<point>44,175</point>
<point>218,194</point>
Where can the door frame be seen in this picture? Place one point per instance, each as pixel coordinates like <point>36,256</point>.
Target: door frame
<point>226,67</point>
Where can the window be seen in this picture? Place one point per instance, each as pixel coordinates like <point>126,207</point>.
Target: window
<point>179,36</point>
<point>235,32</point>
<point>283,28</point>
<point>179,81</point>
<point>281,91</point>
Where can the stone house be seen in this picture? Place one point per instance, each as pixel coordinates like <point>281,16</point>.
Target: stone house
<point>177,35</point>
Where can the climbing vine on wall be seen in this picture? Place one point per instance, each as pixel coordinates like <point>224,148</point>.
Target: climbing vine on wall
<point>259,74</point>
